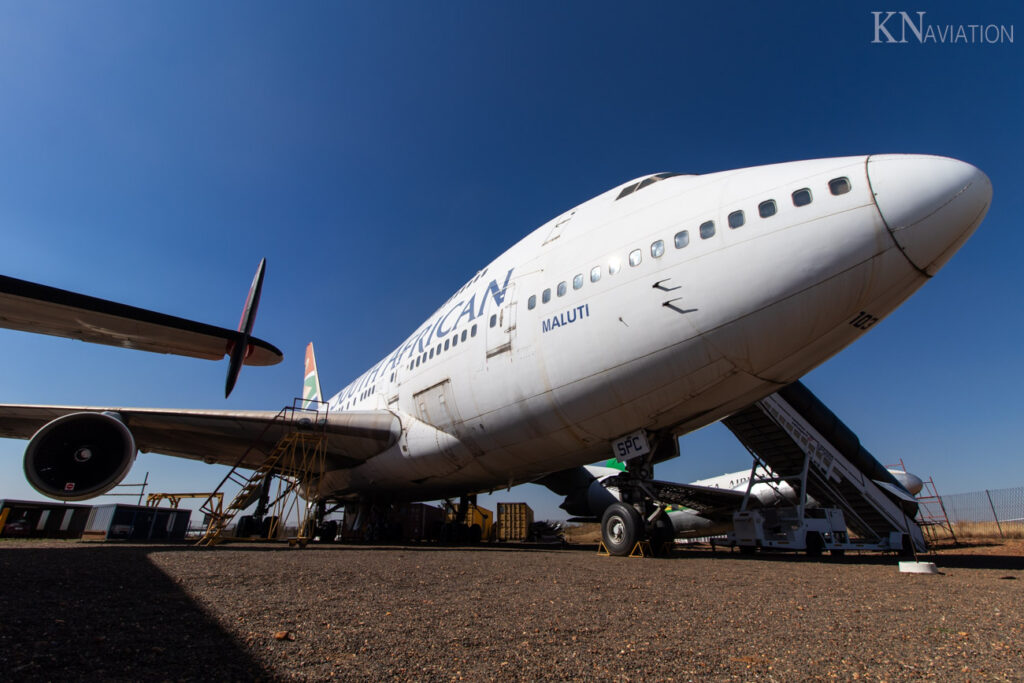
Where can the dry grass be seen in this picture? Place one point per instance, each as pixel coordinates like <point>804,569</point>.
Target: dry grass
<point>981,530</point>
<point>583,534</point>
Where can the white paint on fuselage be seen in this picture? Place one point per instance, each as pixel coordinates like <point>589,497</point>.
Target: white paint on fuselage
<point>670,345</point>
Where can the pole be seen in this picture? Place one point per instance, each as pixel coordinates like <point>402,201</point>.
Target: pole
<point>994,515</point>
<point>143,491</point>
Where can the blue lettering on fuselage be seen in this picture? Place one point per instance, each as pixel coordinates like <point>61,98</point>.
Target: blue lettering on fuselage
<point>457,313</point>
<point>565,318</point>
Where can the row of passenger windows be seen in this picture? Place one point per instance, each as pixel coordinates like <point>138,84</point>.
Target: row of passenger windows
<point>736,219</point>
<point>449,343</point>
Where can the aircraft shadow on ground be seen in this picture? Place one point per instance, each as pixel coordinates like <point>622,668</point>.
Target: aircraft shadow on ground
<point>107,613</point>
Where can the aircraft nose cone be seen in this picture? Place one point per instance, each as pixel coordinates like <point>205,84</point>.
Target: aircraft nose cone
<point>930,204</point>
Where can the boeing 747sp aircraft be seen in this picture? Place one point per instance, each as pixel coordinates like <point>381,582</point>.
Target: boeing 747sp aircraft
<point>651,310</point>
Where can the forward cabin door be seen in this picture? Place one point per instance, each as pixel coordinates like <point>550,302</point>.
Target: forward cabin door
<point>501,334</point>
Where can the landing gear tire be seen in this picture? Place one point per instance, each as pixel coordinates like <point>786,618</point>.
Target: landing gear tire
<point>621,527</point>
<point>476,534</point>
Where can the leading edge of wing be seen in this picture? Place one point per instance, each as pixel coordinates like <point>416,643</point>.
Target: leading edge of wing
<point>32,307</point>
<point>224,436</point>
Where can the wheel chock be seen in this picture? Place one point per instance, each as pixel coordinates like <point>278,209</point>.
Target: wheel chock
<point>602,549</point>
<point>642,549</point>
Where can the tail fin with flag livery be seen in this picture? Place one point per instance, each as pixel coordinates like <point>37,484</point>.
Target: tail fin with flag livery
<point>311,382</point>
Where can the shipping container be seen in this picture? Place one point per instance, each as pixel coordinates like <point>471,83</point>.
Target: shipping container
<point>478,517</point>
<point>136,522</point>
<point>514,520</point>
<point>36,519</point>
<point>420,522</point>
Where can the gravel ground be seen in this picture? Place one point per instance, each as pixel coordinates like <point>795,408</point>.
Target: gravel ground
<point>73,610</point>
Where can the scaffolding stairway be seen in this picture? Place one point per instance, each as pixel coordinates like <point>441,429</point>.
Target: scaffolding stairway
<point>794,436</point>
<point>297,457</point>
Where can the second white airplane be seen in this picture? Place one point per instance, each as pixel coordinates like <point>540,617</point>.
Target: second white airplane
<point>651,310</point>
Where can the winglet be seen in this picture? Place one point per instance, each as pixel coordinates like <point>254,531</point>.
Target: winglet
<point>239,348</point>
<point>311,380</point>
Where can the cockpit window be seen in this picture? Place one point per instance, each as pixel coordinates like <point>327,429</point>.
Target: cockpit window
<point>649,180</point>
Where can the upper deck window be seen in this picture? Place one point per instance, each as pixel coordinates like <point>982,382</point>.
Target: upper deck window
<point>641,184</point>
<point>839,186</point>
<point>802,197</point>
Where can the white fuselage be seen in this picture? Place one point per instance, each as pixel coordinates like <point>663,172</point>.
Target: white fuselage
<point>505,383</point>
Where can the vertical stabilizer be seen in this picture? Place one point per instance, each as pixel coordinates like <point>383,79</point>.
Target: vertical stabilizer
<point>311,381</point>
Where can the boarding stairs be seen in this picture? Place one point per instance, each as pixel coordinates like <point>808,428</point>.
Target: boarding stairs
<point>794,436</point>
<point>298,456</point>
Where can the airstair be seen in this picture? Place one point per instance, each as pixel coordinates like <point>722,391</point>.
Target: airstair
<point>276,485</point>
<point>793,435</point>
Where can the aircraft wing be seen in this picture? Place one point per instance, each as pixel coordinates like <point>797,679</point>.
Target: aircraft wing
<point>32,307</point>
<point>224,436</point>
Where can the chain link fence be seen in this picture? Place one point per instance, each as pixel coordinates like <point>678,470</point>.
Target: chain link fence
<point>998,512</point>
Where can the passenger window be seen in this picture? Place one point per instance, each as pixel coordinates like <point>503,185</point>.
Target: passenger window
<point>439,349</point>
<point>802,197</point>
<point>431,355</point>
<point>736,219</point>
<point>635,257</point>
<point>465,333</point>
<point>562,288</point>
<point>531,303</point>
<point>447,342</point>
<point>767,208</point>
<point>577,281</point>
<point>595,273</point>
<point>682,239</point>
<point>657,249</point>
<point>707,229</point>
<point>545,296</point>
<point>455,340</point>
<point>839,186</point>
<point>417,361</point>
<point>494,320</point>
<point>472,330</point>
<point>614,266</point>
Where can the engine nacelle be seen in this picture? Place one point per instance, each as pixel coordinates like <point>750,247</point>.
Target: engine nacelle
<point>79,456</point>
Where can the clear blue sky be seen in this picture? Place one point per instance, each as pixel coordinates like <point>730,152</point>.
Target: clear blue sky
<point>379,153</point>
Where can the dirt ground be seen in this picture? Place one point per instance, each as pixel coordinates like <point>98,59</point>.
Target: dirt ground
<point>74,610</point>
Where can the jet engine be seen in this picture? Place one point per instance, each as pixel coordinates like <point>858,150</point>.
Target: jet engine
<point>79,456</point>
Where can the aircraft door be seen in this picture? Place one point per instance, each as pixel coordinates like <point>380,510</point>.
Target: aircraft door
<point>436,407</point>
<point>501,334</point>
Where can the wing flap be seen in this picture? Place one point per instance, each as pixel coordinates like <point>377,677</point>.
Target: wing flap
<point>224,436</point>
